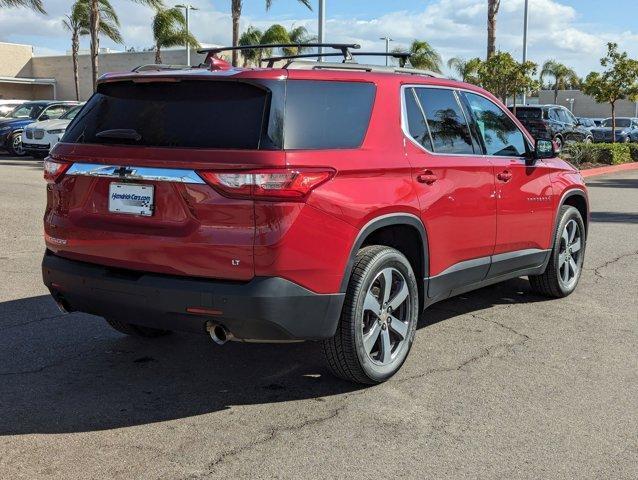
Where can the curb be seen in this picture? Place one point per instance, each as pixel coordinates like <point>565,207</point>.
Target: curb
<point>594,172</point>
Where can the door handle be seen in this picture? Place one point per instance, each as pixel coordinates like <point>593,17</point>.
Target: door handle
<point>504,176</point>
<point>428,177</point>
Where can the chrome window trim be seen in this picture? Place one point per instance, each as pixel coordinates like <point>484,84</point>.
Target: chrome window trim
<point>135,173</point>
<point>406,130</point>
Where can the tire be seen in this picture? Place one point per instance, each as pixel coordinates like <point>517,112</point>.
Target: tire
<point>14,145</point>
<point>556,281</point>
<point>136,330</point>
<point>369,346</point>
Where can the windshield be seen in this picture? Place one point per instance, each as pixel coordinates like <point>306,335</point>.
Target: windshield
<point>31,110</point>
<point>620,122</point>
<point>70,115</point>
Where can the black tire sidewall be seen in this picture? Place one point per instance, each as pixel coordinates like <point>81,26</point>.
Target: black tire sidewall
<point>569,213</point>
<point>385,259</point>
<point>10,145</point>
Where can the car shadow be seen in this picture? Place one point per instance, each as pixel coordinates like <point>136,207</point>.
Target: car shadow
<point>71,373</point>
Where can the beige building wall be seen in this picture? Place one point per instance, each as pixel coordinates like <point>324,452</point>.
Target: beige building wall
<point>61,68</point>
<point>585,106</point>
<point>15,60</point>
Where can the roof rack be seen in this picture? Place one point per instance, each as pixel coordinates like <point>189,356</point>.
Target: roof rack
<point>344,47</point>
<point>403,57</point>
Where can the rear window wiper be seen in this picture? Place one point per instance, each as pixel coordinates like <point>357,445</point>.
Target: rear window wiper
<point>120,133</point>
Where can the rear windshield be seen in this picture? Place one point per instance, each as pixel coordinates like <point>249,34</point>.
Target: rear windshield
<point>528,113</point>
<point>264,115</point>
<point>187,114</point>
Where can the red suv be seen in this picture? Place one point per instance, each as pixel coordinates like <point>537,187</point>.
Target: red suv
<point>316,201</point>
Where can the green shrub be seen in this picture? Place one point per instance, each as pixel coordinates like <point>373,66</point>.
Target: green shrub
<point>607,153</point>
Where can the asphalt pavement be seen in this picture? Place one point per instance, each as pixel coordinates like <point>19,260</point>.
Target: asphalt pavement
<point>500,384</point>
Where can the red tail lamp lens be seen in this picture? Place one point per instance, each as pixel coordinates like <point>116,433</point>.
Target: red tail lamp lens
<point>53,170</point>
<point>291,184</point>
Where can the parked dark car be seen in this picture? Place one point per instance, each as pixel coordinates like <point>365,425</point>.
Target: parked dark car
<point>553,122</point>
<point>626,130</point>
<point>12,126</point>
<point>587,122</point>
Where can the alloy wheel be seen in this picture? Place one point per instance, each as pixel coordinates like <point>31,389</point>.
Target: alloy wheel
<point>570,254</point>
<point>386,316</point>
<point>18,148</point>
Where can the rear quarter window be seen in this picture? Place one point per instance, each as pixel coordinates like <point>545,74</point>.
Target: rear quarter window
<point>327,115</point>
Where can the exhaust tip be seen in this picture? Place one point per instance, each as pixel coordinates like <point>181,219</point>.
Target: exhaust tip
<point>219,334</point>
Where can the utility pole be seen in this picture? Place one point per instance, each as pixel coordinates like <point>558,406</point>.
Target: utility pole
<point>322,26</point>
<point>187,7</point>
<point>387,48</point>
<point>525,25</point>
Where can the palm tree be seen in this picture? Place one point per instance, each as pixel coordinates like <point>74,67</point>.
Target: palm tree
<point>252,36</point>
<point>94,30</point>
<point>32,4</point>
<point>465,70</point>
<point>275,34</point>
<point>77,22</point>
<point>235,10</point>
<point>562,75</point>
<point>492,12</point>
<point>169,30</point>
<point>423,56</point>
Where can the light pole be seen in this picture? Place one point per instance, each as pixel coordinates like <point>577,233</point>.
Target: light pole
<point>525,24</point>
<point>187,7</point>
<point>387,47</point>
<point>322,26</point>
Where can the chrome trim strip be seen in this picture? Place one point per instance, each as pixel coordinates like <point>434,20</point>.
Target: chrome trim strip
<point>135,173</point>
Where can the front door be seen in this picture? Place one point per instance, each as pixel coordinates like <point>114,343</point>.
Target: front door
<point>525,212</point>
<point>455,186</point>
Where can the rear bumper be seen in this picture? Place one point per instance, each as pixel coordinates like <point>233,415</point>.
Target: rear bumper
<point>263,309</point>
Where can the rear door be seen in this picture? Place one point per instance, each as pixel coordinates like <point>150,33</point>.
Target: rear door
<point>524,194</point>
<point>133,197</point>
<point>455,186</point>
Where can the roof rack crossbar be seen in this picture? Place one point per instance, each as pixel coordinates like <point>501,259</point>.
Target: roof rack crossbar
<point>403,57</point>
<point>344,47</point>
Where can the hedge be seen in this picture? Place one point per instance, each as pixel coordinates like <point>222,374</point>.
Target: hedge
<point>606,153</point>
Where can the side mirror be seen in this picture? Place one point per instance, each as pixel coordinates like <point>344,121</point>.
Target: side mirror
<point>43,118</point>
<point>545,149</point>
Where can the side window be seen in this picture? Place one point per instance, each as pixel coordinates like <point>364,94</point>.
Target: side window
<point>417,126</point>
<point>563,116</point>
<point>553,115</point>
<point>448,126</point>
<point>571,119</point>
<point>500,134</point>
<point>55,111</point>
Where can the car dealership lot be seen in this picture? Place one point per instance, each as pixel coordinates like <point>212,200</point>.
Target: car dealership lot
<point>501,383</point>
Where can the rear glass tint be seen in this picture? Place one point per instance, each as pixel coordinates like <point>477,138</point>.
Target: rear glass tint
<point>327,115</point>
<point>187,114</point>
<point>528,113</point>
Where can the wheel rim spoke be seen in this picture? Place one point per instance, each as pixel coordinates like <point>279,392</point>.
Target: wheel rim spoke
<point>398,327</point>
<point>564,273</point>
<point>565,236</point>
<point>576,245</point>
<point>387,284</point>
<point>386,346</point>
<point>370,338</point>
<point>573,268</point>
<point>400,297</point>
<point>572,231</point>
<point>371,304</point>
<point>562,258</point>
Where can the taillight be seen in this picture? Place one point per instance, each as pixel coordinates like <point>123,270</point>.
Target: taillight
<point>290,184</point>
<point>54,170</point>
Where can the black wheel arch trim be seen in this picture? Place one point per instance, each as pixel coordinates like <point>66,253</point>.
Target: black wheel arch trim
<point>572,192</point>
<point>383,221</point>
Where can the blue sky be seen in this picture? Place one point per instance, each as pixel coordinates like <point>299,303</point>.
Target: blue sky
<point>572,31</point>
